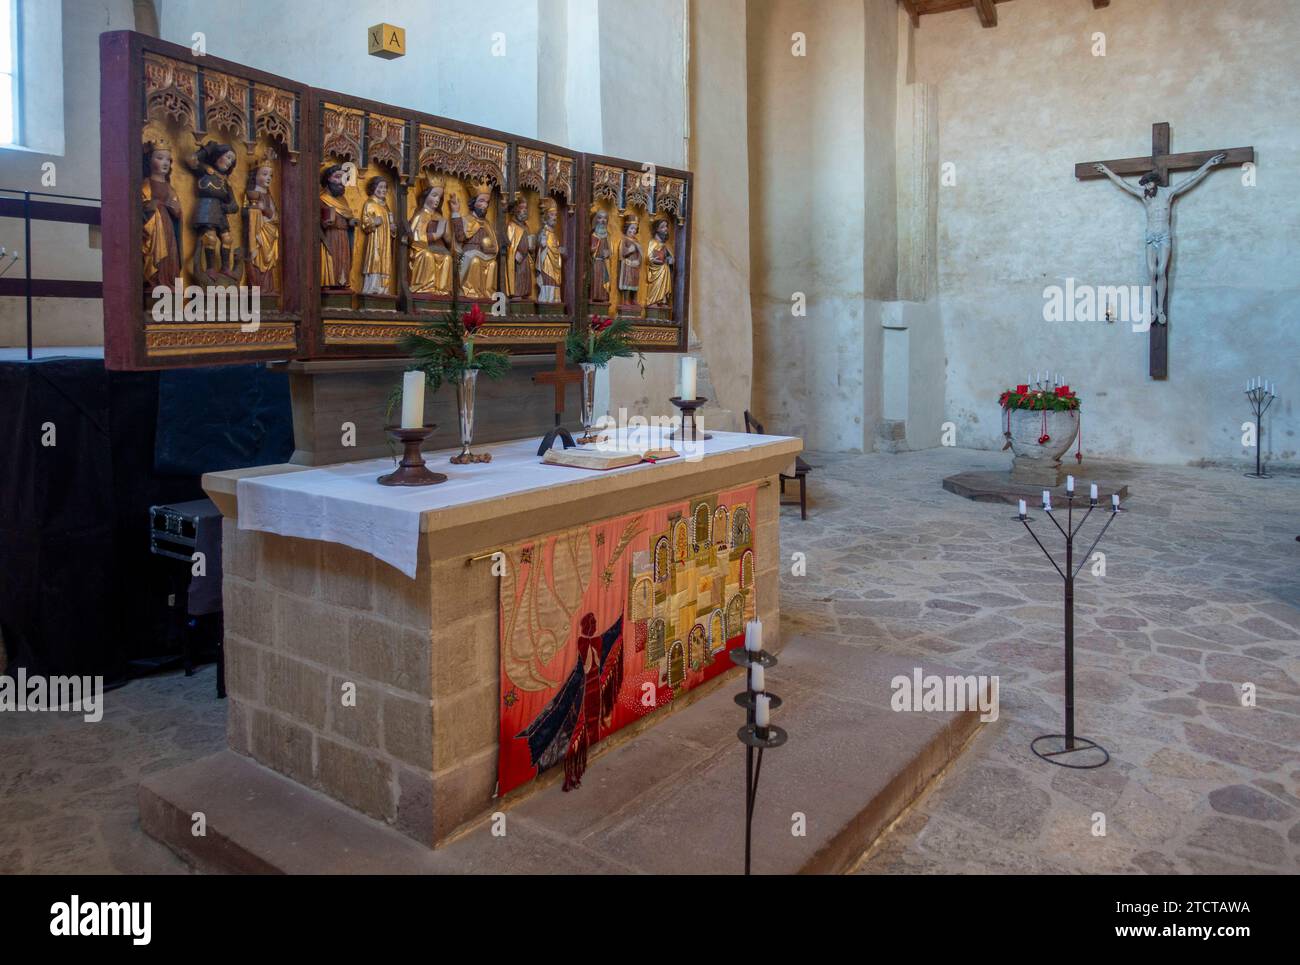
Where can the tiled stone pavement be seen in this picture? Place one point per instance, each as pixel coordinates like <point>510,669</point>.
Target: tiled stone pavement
<point>68,788</point>
<point>1202,592</point>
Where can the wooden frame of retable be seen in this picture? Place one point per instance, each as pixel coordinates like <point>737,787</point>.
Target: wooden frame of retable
<point>209,232</point>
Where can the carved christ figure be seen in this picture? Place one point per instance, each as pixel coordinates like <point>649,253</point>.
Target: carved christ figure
<point>380,229</point>
<point>162,217</point>
<point>629,263</point>
<point>261,227</point>
<point>478,244</point>
<point>430,260</point>
<point>519,268</point>
<point>336,222</point>
<point>550,256</point>
<point>659,268</point>
<point>598,292</point>
<point>1159,202</point>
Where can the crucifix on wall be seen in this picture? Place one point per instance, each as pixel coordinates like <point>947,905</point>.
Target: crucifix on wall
<point>1157,197</point>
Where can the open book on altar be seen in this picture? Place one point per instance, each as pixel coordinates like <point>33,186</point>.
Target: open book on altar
<point>602,459</point>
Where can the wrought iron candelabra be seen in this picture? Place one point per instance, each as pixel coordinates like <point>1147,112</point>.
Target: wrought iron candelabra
<point>1070,743</point>
<point>1261,396</point>
<point>754,736</point>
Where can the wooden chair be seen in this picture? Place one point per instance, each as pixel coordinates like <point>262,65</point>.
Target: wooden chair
<point>801,469</point>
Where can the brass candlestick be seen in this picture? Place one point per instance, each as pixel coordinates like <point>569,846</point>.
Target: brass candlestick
<point>411,471</point>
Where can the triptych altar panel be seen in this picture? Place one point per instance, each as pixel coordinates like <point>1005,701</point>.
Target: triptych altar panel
<point>358,222</point>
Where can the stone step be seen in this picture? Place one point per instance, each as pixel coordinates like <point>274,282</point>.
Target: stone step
<point>668,801</point>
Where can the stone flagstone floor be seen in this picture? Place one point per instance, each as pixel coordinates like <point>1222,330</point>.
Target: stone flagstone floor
<point>1202,592</point>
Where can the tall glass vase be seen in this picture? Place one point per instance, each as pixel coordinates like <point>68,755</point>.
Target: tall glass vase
<point>465,386</point>
<point>588,386</point>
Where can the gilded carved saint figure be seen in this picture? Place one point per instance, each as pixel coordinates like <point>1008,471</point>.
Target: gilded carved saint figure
<point>519,267</point>
<point>162,217</point>
<point>629,262</point>
<point>380,229</point>
<point>430,258</point>
<point>659,267</point>
<point>261,226</point>
<point>214,254</point>
<point>478,244</point>
<point>550,256</point>
<point>599,292</point>
<point>336,222</point>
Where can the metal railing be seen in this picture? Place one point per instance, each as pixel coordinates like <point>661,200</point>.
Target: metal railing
<point>29,210</point>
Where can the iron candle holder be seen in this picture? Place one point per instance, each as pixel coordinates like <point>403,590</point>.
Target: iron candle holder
<point>755,738</point>
<point>1260,397</point>
<point>1070,742</point>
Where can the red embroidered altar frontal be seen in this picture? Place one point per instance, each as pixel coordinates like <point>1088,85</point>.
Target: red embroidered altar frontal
<point>603,624</point>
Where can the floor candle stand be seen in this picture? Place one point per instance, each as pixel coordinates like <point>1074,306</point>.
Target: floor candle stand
<point>755,738</point>
<point>1261,397</point>
<point>1069,742</point>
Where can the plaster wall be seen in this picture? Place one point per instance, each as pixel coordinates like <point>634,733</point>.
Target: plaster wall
<point>64,251</point>
<point>642,91</point>
<point>806,231</point>
<point>1019,105</point>
<point>719,156</point>
<point>823,227</point>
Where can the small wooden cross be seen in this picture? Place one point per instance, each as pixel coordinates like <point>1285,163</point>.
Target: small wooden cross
<point>560,377</point>
<point>1162,162</point>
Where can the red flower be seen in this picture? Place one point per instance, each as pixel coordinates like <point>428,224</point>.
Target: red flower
<point>472,319</point>
<point>599,324</point>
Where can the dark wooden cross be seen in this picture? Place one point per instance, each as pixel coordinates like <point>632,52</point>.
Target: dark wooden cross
<point>560,377</point>
<point>1161,162</point>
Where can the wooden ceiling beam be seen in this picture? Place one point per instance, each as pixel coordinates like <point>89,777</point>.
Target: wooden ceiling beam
<point>986,9</point>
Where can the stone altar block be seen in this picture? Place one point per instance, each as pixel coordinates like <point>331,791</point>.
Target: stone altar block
<point>306,618</point>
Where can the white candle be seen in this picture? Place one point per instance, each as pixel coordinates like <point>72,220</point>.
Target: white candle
<point>1114,500</point>
<point>1022,509</point>
<point>1092,492</point>
<point>1047,500</point>
<point>754,635</point>
<point>1069,484</point>
<point>762,710</point>
<point>756,681</point>
<point>687,377</point>
<point>412,400</point>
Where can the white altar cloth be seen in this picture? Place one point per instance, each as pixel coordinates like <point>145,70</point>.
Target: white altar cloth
<point>344,504</point>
